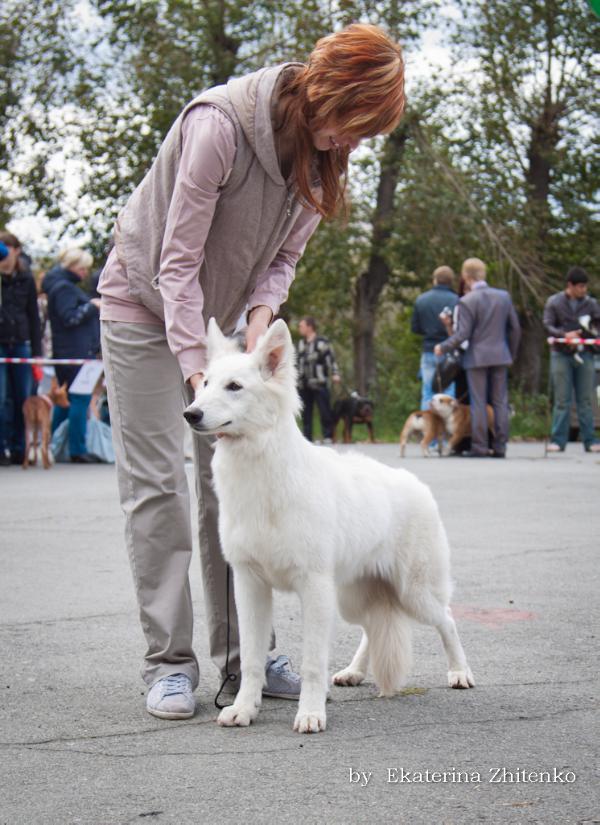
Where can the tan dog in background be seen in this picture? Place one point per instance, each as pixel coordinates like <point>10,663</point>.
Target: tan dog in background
<point>37,412</point>
<point>456,418</point>
<point>430,424</point>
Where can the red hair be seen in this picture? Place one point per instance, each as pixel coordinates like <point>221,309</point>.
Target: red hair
<point>353,82</point>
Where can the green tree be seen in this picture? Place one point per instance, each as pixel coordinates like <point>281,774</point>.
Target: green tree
<point>529,128</point>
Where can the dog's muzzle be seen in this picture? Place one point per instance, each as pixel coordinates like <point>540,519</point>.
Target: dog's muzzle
<point>193,417</point>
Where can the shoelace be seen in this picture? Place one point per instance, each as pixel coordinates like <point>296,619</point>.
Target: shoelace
<point>176,683</point>
<point>282,666</point>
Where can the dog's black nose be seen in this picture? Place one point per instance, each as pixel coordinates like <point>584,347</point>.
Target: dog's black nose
<point>193,417</point>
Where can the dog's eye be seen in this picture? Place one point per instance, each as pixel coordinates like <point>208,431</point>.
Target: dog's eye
<point>233,387</point>
<point>206,383</point>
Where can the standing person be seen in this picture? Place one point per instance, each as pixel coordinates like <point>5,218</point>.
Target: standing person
<point>215,229</point>
<point>426,322</point>
<point>564,317</point>
<point>488,321</point>
<point>316,367</point>
<point>20,337</point>
<point>75,325</point>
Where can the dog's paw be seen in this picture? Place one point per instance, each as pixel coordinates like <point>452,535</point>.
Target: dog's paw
<point>461,678</point>
<point>348,678</point>
<point>310,722</point>
<point>240,716</point>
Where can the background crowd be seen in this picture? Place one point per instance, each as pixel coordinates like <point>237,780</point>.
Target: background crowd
<point>51,315</point>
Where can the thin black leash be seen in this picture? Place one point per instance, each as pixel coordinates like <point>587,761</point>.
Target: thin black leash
<point>229,677</point>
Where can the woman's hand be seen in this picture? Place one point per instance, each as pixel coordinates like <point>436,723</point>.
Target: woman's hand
<point>259,319</point>
<point>196,380</point>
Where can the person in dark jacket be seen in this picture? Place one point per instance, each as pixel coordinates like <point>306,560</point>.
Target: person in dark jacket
<point>566,315</point>
<point>426,322</point>
<point>316,368</point>
<point>20,337</point>
<point>75,323</point>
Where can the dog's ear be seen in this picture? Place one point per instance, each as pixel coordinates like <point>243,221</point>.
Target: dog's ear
<point>274,350</point>
<point>217,343</point>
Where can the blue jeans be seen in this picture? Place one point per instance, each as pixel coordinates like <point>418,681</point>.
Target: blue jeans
<point>429,362</point>
<point>568,375</point>
<point>77,415</point>
<point>16,381</point>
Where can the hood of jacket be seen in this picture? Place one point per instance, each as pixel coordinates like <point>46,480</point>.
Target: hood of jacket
<point>56,275</point>
<point>252,98</point>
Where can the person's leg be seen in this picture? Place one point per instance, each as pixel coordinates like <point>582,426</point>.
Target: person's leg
<point>221,616</point>
<point>561,370</point>
<point>145,392</point>
<point>59,414</point>
<point>77,413</point>
<point>584,387</point>
<point>3,390</point>
<point>21,384</point>
<point>427,369</point>
<point>498,389</point>
<point>477,378</point>
<point>324,405</point>
<point>307,398</point>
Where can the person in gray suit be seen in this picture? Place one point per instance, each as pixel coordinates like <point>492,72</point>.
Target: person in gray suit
<point>488,321</point>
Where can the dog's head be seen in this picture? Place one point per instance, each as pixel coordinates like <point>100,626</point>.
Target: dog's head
<point>363,408</point>
<point>443,405</point>
<point>245,394</point>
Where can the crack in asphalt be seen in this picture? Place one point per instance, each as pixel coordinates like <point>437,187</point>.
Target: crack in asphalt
<point>39,744</point>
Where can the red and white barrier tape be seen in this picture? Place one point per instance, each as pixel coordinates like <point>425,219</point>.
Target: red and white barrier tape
<point>42,362</point>
<point>590,342</point>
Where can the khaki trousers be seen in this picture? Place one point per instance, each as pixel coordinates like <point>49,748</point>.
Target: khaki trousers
<point>146,396</point>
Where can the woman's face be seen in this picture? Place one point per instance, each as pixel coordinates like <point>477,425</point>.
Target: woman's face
<point>81,271</point>
<point>333,137</point>
<point>9,264</point>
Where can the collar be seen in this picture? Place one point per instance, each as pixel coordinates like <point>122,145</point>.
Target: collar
<point>479,285</point>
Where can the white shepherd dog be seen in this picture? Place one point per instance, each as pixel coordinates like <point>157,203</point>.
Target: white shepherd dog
<point>325,525</point>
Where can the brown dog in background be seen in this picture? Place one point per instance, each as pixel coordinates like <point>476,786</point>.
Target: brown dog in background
<point>456,418</point>
<point>427,422</point>
<point>447,418</point>
<point>37,412</point>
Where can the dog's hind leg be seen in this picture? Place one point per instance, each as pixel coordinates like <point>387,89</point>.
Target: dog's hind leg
<point>356,671</point>
<point>426,608</point>
<point>254,599</point>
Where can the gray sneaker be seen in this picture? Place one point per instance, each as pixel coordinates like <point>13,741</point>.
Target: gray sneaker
<point>282,682</point>
<point>171,697</point>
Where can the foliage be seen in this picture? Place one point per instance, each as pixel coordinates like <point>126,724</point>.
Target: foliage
<point>499,154</point>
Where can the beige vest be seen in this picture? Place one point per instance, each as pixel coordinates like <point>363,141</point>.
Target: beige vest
<point>254,213</point>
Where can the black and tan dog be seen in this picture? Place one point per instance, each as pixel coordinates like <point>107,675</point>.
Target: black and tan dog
<point>353,410</point>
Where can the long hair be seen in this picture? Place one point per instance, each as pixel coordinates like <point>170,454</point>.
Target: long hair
<point>354,82</point>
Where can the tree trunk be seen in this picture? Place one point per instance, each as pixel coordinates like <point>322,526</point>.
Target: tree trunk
<point>370,284</point>
<point>527,369</point>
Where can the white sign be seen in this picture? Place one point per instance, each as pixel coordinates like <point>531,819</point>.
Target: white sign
<point>87,378</point>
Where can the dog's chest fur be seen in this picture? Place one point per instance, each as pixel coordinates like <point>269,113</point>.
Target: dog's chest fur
<point>256,508</point>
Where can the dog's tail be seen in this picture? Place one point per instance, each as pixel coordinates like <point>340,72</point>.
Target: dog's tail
<point>390,647</point>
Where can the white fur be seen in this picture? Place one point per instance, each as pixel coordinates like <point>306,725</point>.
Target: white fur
<point>298,517</point>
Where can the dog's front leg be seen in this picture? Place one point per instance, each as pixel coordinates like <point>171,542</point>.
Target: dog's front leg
<point>317,594</point>
<point>254,601</point>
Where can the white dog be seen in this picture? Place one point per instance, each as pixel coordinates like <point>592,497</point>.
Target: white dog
<point>298,517</point>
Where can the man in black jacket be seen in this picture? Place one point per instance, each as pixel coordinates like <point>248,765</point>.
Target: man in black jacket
<point>20,337</point>
<point>426,321</point>
<point>566,315</point>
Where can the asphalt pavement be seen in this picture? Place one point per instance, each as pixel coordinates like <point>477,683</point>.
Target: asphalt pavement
<point>77,746</point>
